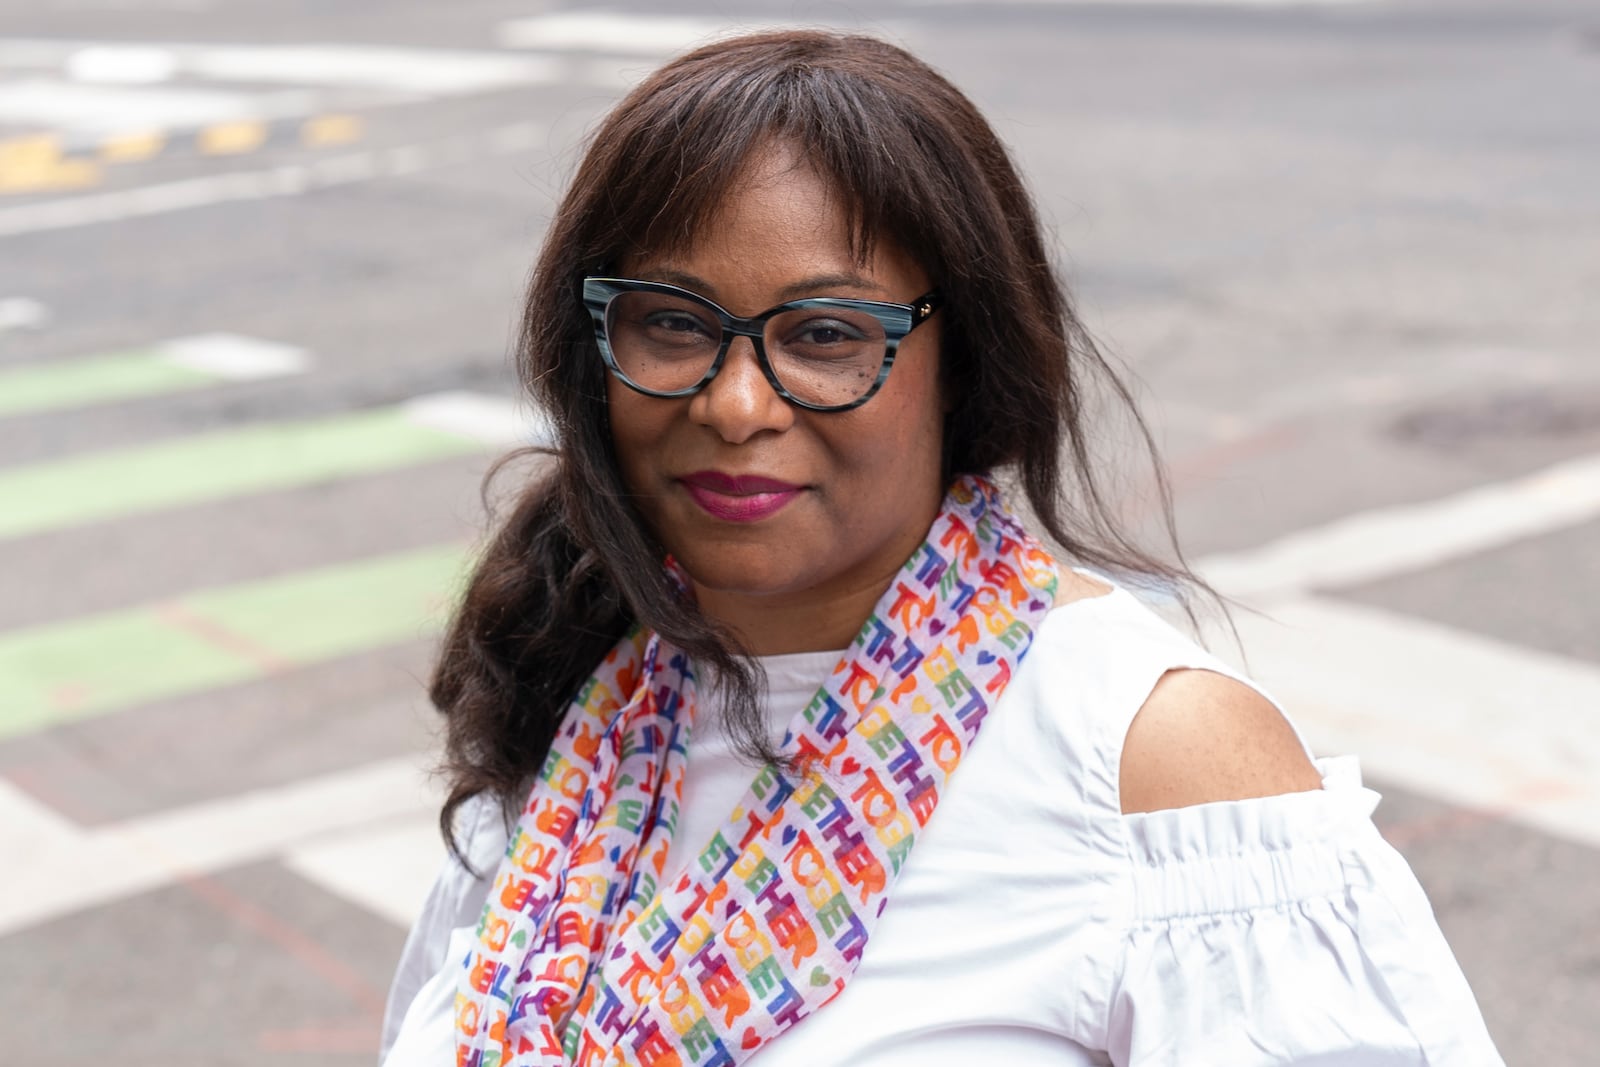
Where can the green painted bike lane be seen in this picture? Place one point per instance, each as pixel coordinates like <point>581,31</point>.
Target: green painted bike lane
<point>31,390</point>
<point>188,470</point>
<point>62,672</point>
<point>176,366</point>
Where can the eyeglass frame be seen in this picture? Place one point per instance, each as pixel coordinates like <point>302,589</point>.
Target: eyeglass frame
<point>597,292</point>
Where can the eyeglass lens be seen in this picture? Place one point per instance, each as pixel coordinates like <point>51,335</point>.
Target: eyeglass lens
<point>824,356</point>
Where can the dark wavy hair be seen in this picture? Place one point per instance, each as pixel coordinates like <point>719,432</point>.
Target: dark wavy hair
<point>573,566</point>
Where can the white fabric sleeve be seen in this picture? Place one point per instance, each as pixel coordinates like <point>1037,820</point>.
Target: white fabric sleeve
<point>455,902</point>
<point>1284,930</point>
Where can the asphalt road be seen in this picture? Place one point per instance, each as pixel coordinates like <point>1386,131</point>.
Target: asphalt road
<point>259,265</point>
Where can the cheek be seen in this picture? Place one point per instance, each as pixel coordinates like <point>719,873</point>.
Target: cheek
<point>896,439</point>
<point>921,408</point>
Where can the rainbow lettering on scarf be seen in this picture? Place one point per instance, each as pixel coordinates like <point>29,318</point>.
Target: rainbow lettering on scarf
<point>587,954</point>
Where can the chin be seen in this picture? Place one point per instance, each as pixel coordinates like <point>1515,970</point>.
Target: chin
<point>746,569</point>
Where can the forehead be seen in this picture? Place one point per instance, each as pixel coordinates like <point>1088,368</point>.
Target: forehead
<point>777,223</point>
<point>774,195</point>
<point>779,208</point>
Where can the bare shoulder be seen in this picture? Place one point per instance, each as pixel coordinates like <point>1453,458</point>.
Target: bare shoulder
<point>1072,586</point>
<point>1202,737</point>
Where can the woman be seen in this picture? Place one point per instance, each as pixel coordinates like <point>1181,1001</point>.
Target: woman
<point>711,684</point>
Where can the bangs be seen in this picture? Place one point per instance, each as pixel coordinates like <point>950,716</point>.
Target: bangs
<point>685,138</point>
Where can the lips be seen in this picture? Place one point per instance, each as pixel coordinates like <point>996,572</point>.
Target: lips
<point>738,498</point>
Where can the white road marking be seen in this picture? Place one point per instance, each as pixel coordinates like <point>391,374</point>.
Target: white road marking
<point>142,6</point>
<point>103,110</point>
<point>232,357</point>
<point>28,827</point>
<point>286,180</point>
<point>1457,716</point>
<point>1150,3</point>
<point>386,870</point>
<point>21,313</point>
<point>1374,544</point>
<point>615,33</point>
<point>494,420</point>
<point>411,71</point>
<point>122,65</point>
<point>66,871</point>
<point>433,72</point>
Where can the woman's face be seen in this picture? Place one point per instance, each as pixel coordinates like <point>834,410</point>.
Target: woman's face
<point>866,482</point>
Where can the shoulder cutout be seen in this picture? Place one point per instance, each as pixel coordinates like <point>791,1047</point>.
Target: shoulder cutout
<point>1071,586</point>
<point>1203,737</point>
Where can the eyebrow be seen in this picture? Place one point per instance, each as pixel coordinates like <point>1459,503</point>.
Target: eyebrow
<point>811,285</point>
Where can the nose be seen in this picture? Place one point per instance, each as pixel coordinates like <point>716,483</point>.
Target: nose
<point>739,402</point>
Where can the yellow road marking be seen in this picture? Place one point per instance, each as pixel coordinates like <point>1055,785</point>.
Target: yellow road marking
<point>231,138</point>
<point>35,164</point>
<point>132,147</point>
<point>330,130</point>
<point>35,151</point>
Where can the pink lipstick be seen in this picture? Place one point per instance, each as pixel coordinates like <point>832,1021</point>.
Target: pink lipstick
<point>746,498</point>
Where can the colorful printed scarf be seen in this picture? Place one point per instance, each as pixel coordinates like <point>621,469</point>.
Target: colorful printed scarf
<point>585,958</point>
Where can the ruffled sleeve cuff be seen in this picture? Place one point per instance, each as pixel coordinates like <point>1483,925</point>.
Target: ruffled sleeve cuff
<point>1284,930</point>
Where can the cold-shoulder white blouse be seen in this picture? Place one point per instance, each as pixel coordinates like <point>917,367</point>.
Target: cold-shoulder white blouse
<point>1035,923</point>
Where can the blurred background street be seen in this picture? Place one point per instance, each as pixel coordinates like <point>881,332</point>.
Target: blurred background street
<point>260,265</point>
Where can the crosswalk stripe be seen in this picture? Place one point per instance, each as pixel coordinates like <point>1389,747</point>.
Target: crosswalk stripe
<point>203,467</point>
<point>427,71</point>
<point>490,419</point>
<point>22,313</point>
<point>1374,544</point>
<point>235,357</point>
<point>1152,3</point>
<point>408,854</point>
<point>172,366</point>
<point>619,33</point>
<point>399,70</point>
<point>70,871</point>
<point>61,672</point>
<point>28,827</point>
<point>124,64</point>
<point>106,109</point>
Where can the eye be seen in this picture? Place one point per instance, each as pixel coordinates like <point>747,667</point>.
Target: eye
<point>823,333</point>
<point>676,322</point>
<point>677,327</point>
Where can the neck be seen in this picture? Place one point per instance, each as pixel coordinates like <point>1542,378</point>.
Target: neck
<point>774,624</point>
